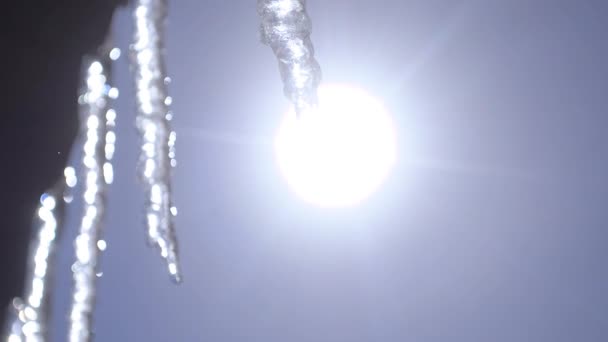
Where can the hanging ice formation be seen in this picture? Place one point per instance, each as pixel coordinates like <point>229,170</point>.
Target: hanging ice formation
<point>27,316</point>
<point>97,120</point>
<point>285,27</point>
<point>157,155</point>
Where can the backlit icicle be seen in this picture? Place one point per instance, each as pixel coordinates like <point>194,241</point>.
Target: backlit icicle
<point>97,120</point>
<point>286,28</point>
<point>28,317</point>
<point>153,116</point>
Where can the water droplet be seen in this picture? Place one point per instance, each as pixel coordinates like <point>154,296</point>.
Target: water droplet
<point>102,245</point>
<point>115,54</point>
<point>113,93</point>
<point>70,176</point>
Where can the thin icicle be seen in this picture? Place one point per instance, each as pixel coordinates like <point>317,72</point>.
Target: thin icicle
<point>286,28</point>
<point>97,119</point>
<point>28,317</point>
<point>157,139</point>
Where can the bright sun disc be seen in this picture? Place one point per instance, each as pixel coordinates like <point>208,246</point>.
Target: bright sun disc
<point>338,154</point>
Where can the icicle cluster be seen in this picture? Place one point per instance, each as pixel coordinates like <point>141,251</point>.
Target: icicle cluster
<point>157,146</point>
<point>97,118</point>
<point>28,316</point>
<point>286,28</point>
<point>29,323</point>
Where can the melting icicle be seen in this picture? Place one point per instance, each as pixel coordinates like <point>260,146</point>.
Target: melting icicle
<point>28,317</point>
<point>286,28</point>
<point>157,138</point>
<point>97,119</point>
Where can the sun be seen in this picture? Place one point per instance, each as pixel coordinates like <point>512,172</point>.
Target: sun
<point>339,153</point>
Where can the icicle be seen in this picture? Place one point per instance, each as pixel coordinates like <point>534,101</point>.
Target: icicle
<point>97,119</point>
<point>28,317</point>
<point>286,29</point>
<point>157,139</point>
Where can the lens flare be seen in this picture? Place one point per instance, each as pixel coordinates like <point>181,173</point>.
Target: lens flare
<point>339,153</point>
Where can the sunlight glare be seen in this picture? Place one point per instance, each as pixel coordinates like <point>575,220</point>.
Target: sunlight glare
<point>340,153</point>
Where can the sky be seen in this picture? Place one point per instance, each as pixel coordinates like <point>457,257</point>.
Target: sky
<point>492,226</point>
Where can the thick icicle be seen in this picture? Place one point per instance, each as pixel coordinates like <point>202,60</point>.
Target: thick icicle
<point>286,28</point>
<point>157,139</point>
<point>27,321</point>
<point>97,120</point>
